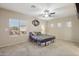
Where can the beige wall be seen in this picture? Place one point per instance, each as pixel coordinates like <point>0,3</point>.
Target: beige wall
<point>75,29</point>
<point>5,39</point>
<point>65,32</point>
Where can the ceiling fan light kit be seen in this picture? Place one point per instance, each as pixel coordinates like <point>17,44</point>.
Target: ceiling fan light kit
<point>46,13</point>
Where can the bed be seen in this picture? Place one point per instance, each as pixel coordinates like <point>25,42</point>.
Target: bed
<point>41,38</point>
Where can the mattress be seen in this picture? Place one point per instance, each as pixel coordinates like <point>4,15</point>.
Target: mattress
<point>43,36</point>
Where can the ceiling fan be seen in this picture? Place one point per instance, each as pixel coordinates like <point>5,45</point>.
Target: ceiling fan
<point>47,13</point>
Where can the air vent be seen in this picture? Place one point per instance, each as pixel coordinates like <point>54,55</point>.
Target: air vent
<point>33,6</point>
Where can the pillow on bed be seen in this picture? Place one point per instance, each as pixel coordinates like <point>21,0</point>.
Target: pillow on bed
<point>34,33</point>
<point>38,33</point>
<point>34,37</point>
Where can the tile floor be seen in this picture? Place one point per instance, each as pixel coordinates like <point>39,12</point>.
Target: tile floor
<point>59,48</point>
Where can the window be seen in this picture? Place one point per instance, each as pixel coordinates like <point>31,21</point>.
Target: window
<point>17,27</point>
<point>22,27</point>
<point>14,27</point>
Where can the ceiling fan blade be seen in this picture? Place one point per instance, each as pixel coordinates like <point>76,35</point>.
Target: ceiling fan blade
<point>52,13</point>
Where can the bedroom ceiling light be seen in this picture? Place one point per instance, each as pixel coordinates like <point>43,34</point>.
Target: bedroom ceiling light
<point>52,25</point>
<point>59,24</point>
<point>69,24</point>
<point>46,13</point>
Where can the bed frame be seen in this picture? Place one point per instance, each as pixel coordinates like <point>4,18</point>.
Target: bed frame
<point>33,38</point>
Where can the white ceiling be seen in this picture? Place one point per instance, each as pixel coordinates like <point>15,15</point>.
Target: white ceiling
<point>61,9</point>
